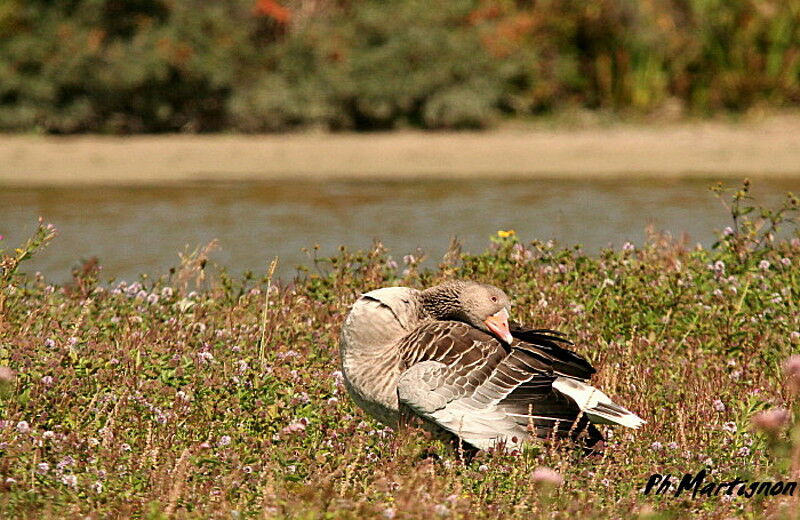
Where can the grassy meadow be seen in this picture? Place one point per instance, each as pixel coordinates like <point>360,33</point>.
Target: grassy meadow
<point>198,394</point>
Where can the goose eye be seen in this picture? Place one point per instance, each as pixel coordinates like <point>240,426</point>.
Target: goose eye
<point>494,299</point>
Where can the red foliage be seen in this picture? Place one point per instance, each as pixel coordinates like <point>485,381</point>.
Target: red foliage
<point>272,9</point>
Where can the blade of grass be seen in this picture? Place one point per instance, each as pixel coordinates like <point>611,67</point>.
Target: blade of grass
<point>270,273</point>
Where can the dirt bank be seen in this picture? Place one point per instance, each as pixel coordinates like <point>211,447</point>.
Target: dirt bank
<point>768,148</point>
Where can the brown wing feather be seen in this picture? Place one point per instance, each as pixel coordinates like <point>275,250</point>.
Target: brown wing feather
<point>482,376</point>
<point>546,344</point>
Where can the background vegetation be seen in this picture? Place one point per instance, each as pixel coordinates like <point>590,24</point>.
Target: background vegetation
<point>263,65</point>
<point>202,395</point>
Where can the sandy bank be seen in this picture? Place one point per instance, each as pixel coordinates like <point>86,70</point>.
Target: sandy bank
<point>769,148</point>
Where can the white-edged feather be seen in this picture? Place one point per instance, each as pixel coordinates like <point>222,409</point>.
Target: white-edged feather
<point>597,406</point>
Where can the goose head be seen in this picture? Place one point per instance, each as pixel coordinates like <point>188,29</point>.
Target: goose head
<point>483,306</point>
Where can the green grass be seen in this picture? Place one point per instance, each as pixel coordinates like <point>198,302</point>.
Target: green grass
<point>152,399</point>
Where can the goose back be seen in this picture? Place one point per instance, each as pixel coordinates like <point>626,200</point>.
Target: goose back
<point>377,321</point>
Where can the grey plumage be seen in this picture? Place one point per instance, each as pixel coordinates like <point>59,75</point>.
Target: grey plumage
<point>429,354</point>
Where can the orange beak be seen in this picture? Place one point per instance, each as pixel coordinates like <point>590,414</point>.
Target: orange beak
<point>498,324</point>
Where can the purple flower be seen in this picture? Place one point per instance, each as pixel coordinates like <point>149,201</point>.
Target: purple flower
<point>42,468</point>
<point>66,461</point>
<point>152,299</point>
<point>70,480</point>
<point>729,427</point>
<point>744,451</point>
<point>23,427</point>
<point>628,247</point>
<point>161,417</point>
<point>166,292</point>
<point>656,445</point>
<point>763,265</point>
<point>672,445</point>
<point>225,440</point>
<point>719,406</point>
<point>97,487</point>
<point>49,343</point>
<point>205,357</point>
<point>728,231</point>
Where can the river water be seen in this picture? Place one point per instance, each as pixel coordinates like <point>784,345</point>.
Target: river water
<point>141,230</point>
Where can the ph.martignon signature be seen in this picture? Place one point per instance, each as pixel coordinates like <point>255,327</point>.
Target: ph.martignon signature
<point>697,485</point>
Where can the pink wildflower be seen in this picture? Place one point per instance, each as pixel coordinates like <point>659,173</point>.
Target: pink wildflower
<point>296,427</point>
<point>7,375</point>
<point>546,476</point>
<point>770,421</point>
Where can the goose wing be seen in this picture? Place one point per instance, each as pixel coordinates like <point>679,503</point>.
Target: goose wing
<point>548,344</point>
<point>468,383</point>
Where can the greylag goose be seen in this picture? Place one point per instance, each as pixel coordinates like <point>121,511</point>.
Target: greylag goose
<point>449,355</point>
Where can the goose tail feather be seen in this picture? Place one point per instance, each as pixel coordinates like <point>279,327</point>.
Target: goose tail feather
<point>597,406</point>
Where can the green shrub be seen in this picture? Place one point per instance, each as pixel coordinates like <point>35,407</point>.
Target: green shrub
<point>379,65</point>
<point>103,65</point>
<point>160,65</point>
